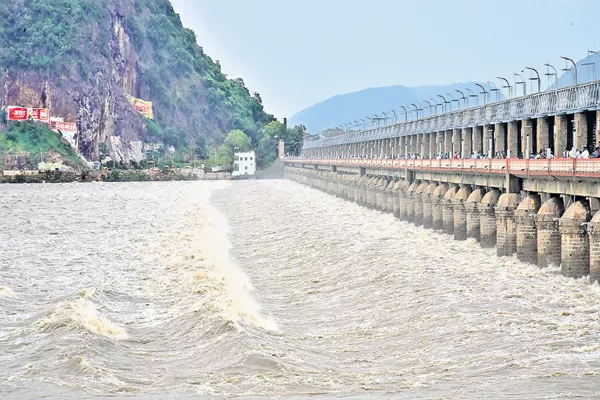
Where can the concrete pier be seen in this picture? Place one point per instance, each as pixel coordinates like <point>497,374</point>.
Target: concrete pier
<point>460,213</point>
<point>526,217</point>
<point>506,241</point>
<point>542,234</point>
<point>594,239</point>
<point>473,217</point>
<point>487,218</point>
<point>418,199</point>
<point>410,202</point>
<point>437,207</point>
<point>575,256</point>
<point>428,205</point>
<point>548,233</point>
<point>449,210</point>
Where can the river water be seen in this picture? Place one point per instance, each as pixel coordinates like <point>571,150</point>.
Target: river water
<point>271,289</point>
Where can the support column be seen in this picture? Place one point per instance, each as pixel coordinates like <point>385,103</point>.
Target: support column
<point>380,183</point>
<point>467,143</point>
<point>513,137</point>
<point>500,136</point>
<point>433,144</point>
<point>449,210</point>
<point>526,216</point>
<point>597,129</point>
<point>487,218</point>
<point>396,198</point>
<point>403,201</point>
<point>581,127</point>
<point>575,254</point>
<point>437,207</point>
<point>506,244</point>
<point>526,137</point>
<point>594,239</point>
<point>486,139</point>
<point>370,192</point>
<point>448,143</point>
<point>560,141</point>
<point>456,135</point>
<point>410,202</point>
<point>548,232</point>
<point>402,149</point>
<point>473,217</point>
<point>426,153</point>
<point>460,213</point>
<point>543,134</point>
<point>440,147</point>
<point>478,140</point>
<point>428,204</point>
<point>418,198</point>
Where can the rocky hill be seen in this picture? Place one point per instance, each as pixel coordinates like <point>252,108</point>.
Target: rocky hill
<point>80,58</point>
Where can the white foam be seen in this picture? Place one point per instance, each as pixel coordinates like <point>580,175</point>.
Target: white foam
<point>5,291</point>
<point>82,313</point>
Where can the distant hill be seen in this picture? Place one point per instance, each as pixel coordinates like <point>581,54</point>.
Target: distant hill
<point>342,109</point>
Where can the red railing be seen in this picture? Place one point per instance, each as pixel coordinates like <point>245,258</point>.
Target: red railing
<point>556,167</point>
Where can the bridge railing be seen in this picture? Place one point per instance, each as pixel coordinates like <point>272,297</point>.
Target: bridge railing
<point>550,102</point>
<point>550,167</point>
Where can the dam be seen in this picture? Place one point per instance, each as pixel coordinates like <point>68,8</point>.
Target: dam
<point>472,173</point>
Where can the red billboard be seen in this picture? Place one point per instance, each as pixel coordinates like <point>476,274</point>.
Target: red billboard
<point>63,126</point>
<point>23,114</point>
<point>17,113</point>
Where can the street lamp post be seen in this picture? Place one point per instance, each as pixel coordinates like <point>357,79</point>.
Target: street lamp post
<point>416,109</point>
<point>472,94</point>
<point>453,99</point>
<point>522,82</point>
<point>548,74</point>
<point>536,79</point>
<point>428,103</point>
<point>386,118</point>
<point>395,116</point>
<point>435,104</point>
<point>483,91</point>
<point>445,102</point>
<point>465,99</point>
<point>405,113</point>
<point>507,86</point>
<point>495,89</point>
<point>574,67</point>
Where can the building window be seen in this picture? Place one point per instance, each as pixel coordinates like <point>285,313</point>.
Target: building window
<point>246,168</point>
<point>251,158</point>
<point>236,167</point>
<point>246,159</point>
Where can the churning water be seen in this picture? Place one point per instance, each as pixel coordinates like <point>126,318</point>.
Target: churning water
<point>271,289</point>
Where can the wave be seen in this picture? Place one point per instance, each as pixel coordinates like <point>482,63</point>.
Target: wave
<point>197,256</point>
<point>82,313</point>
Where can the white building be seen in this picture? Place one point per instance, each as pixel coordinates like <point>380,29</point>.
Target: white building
<point>244,164</point>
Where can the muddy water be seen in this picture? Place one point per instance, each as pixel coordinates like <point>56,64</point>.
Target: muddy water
<point>271,289</point>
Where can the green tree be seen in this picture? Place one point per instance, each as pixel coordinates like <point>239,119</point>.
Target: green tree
<point>237,139</point>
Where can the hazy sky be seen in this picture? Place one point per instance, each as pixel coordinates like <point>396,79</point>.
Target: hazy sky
<point>297,53</point>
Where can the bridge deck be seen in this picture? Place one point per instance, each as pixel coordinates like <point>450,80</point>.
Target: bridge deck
<point>561,167</point>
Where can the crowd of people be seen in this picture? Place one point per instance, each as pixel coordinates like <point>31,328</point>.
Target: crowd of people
<point>540,155</point>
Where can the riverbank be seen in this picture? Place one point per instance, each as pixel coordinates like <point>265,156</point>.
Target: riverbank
<point>112,176</point>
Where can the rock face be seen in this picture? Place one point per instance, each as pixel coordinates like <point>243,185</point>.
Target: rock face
<point>109,49</point>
